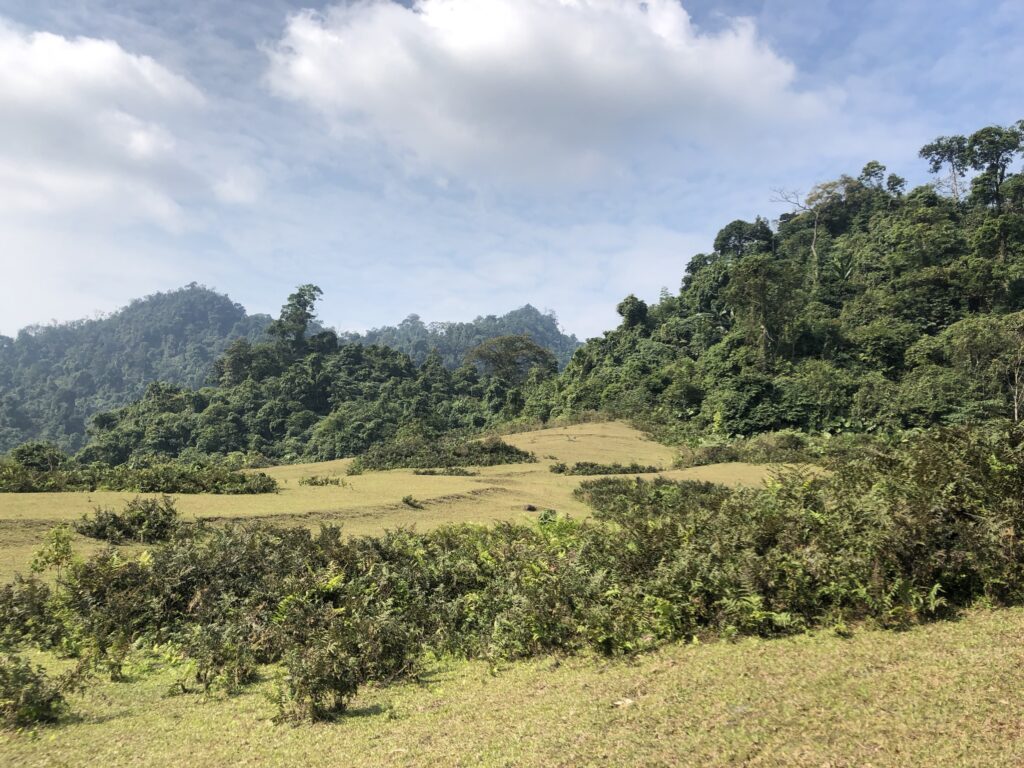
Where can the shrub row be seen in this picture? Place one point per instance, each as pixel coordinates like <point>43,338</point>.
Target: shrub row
<point>586,468</point>
<point>167,477</point>
<point>420,452</point>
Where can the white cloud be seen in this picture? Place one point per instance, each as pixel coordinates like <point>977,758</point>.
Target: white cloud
<point>89,127</point>
<point>535,88</point>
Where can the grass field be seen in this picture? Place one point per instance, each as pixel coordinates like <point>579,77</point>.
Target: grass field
<point>946,694</point>
<point>372,502</point>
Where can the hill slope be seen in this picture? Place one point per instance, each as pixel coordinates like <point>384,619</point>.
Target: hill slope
<point>867,308</point>
<point>54,378</point>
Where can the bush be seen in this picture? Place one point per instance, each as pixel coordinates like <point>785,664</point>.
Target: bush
<point>144,521</point>
<point>447,471</point>
<point>28,696</point>
<point>421,453</point>
<point>317,481</point>
<point>592,468</point>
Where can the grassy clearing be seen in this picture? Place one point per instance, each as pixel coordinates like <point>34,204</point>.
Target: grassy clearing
<point>942,694</point>
<point>372,502</point>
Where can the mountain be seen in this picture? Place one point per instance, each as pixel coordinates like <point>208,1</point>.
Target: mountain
<point>453,341</point>
<point>53,378</point>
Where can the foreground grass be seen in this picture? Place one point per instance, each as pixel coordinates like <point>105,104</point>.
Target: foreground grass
<point>372,502</point>
<point>947,694</point>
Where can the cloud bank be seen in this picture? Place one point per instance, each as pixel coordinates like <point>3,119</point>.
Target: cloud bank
<point>87,125</point>
<point>535,88</point>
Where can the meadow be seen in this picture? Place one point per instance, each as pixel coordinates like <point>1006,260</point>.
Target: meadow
<point>371,502</point>
<point>942,693</point>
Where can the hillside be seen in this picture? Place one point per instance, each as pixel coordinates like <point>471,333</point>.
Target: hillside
<point>54,378</point>
<point>868,308</point>
<point>453,341</point>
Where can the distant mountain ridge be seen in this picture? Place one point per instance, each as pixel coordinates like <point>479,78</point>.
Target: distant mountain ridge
<point>54,378</point>
<point>454,340</point>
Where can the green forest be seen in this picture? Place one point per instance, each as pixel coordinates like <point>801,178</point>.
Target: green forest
<point>55,378</point>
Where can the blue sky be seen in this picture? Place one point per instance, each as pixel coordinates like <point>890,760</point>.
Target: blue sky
<point>450,157</point>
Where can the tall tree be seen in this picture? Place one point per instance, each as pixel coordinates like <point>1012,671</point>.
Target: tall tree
<point>289,330</point>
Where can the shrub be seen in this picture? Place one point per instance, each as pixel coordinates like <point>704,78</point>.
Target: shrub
<point>28,696</point>
<point>410,501</point>
<point>143,521</point>
<point>319,482</point>
<point>592,468</point>
<point>421,453</point>
<point>447,471</point>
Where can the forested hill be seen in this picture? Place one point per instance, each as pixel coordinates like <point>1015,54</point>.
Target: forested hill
<point>54,378</point>
<point>453,341</point>
<point>869,307</point>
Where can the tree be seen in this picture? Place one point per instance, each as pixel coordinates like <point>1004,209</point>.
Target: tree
<point>289,330</point>
<point>990,151</point>
<point>633,312</point>
<point>739,238</point>
<point>512,358</point>
<point>40,456</point>
<point>948,151</point>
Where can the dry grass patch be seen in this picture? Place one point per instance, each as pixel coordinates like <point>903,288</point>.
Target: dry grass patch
<point>942,694</point>
<point>372,502</point>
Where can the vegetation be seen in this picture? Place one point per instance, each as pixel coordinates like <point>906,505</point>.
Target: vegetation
<point>593,468</point>
<point>23,472</point>
<point>304,396</point>
<point>54,378</point>
<point>453,341</point>
<point>143,521</point>
<point>947,693</point>
<point>446,472</point>
<point>869,308</point>
<point>902,536</point>
<point>318,481</point>
<point>28,696</point>
<point>417,451</point>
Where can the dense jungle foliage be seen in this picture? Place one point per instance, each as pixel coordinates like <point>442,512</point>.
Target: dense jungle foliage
<point>313,397</point>
<point>906,533</point>
<point>453,341</point>
<point>54,378</point>
<point>868,307</point>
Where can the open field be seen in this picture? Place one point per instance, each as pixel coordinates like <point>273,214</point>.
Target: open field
<point>946,694</point>
<point>372,502</point>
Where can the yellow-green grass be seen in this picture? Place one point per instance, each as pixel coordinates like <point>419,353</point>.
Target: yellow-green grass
<point>947,694</point>
<point>372,502</point>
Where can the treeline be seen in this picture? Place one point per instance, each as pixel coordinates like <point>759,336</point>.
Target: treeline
<point>311,396</point>
<point>906,533</point>
<point>54,378</point>
<point>453,341</point>
<point>869,307</point>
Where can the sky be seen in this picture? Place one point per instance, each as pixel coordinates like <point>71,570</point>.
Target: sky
<point>450,158</point>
